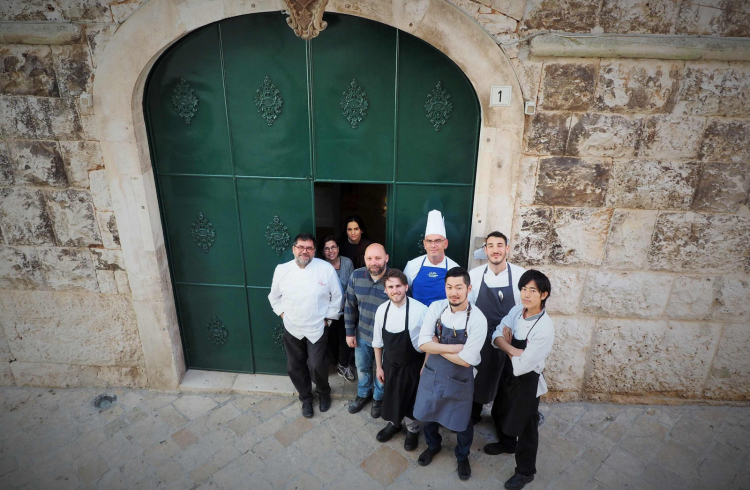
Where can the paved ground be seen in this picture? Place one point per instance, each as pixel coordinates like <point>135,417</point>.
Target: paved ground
<point>54,439</point>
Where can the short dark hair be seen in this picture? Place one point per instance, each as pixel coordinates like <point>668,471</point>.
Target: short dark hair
<point>305,237</point>
<point>326,239</point>
<point>496,234</point>
<point>459,272</point>
<point>396,274</point>
<point>541,281</point>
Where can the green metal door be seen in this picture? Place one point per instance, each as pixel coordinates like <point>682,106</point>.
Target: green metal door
<point>243,117</point>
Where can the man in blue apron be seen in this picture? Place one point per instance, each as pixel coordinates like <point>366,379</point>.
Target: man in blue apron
<point>526,335</point>
<point>426,273</point>
<point>495,293</point>
<point>453,333</point>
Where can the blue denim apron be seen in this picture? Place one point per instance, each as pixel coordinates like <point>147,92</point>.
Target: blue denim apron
<point>429,285</point>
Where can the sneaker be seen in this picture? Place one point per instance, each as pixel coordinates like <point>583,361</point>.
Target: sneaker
<point>349,374</point>
<point>387,432</point>
<point>358,404</point>
<point>518,481</point>
<point>376,408</point>
<point>412,441</point>
<point>341,370</point>
<point>464,470</point>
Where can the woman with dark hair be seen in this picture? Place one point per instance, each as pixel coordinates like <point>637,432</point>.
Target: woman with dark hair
<point>355,241</point>
<point>329,247</point>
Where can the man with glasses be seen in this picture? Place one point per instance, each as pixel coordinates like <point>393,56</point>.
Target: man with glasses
<point>306,294</point>
<point>426,273</point>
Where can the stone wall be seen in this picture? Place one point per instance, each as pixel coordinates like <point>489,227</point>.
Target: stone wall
<point>633,196</point>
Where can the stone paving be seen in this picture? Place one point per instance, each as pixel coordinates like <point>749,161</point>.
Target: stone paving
<point>55,439</point>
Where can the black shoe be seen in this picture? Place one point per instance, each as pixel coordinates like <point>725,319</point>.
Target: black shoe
<point>426,457</point>
<point>464,470</point>
<point>375,409</point>
<point>518,481</point>
<point>307,409</point>
<point>386,434</point>
<point>325,403</point>
<point>357,404</point>
<point>495,448</point>
<point>412,441</point>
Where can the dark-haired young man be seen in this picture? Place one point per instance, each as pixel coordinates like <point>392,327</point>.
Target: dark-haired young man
<point>495,292</point>
<point>526,335</point>
<point>453,333</point>
<point>306,294</point>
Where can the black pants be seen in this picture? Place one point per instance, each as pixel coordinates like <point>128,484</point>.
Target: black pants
<point>526,445</point>
<point>342,353</point>
<point>464,439</point>
<point>298,354</point>
<point>476,410</point>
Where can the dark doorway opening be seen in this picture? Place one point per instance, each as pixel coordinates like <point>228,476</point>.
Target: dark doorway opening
<point>335,201</point>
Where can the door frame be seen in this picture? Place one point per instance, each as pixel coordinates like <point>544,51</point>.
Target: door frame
<point>118,114</point>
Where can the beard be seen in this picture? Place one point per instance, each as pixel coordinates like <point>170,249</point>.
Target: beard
<point>496,261</point>
<point>459,303</point>
<point>302,260</point>
<point>375,270</point>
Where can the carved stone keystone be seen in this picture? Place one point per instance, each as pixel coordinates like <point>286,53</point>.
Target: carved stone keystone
<point>306,17</point>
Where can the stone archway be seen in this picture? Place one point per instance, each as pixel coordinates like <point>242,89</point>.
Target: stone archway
<point>118,105</point>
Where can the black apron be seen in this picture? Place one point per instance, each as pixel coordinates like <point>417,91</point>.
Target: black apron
<point>446,389</point>
<point>519,393</point>
<point>491,366</point>
<point>401,365</point>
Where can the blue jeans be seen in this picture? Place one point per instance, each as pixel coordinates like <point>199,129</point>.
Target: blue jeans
<point>364,355</point>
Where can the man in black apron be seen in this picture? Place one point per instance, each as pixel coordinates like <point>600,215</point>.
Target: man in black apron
<point>526,335</point>
<point>395,338</point>
<point>453,333</point>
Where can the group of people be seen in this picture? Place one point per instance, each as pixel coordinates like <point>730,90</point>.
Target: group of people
<point>432,344</point>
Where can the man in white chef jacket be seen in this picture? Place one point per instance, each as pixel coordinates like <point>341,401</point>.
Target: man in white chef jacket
<point>306,294</point>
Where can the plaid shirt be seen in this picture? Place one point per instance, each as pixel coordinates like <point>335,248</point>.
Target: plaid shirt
<point>363,296</point>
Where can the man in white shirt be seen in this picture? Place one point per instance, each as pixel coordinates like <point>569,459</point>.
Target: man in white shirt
<point>395,338</point>
<point>452,334</point>
<point>426,273</point>
<point>526,335</point>
<point>306,294</point>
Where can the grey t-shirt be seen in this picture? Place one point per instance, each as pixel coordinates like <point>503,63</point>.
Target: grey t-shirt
<point>344,272</point>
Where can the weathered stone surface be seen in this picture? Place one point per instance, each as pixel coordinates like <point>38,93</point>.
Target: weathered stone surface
<point>45,118</point>
<point>7,117</point>
<point>651,357</point>
<point>671,137</point>
<point>578,236</point>
<point>566,181</point>
<point>39,163</point>
<point>7,165</point>
<point>730,372</point>
<point>74,70</point>
<point>27,70</point>
<point>70,328</point>
<point>721,298</point>
<point>385,465</point>
<point>32,10</point>
<point>629,239</point>
<point>110,260</point>
<point>80,157</point>
<point>122,10</point>
<point>725,140</point>
<point>100,190</point>
<point>567,86</point>
<point>533,236</point>
<point>729,19</point>
<point>547,133</point>
<point>699,243</point>
<point>24,218</point>
<point>527,180</point>
<point>564,367</point>
<point>626,294</point>
<point>715,89</point>
<point>106,280</point>
<point>651,184</point>
<point>45,375</point>
<point>108,229</point>
<point>637,16</point>
<point>497,24</point>
<point>45,33</point>
<point>642,86</point>
<point>567,286</point>
<point>73,218</point>
<point>723,188</point>
<point>98,35</point>
<point>561,15</point>
<point>604,135</point>
<point>121,279</point>
<point>6,374</point>
<point>69,269</point>
<point>20,269</point>
<point>529,73</point>
<point>87,10</point>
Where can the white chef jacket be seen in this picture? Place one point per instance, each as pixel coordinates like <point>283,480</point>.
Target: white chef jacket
<point>539,343</point>
<point>412,267</point>
<point>477,328</point>
<point>495,281</point>
<point>397,321</point>
<point>306,297</point>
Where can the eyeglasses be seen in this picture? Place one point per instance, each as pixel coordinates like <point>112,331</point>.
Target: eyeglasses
<point>331,249</point>
<point>434,242</point>
<point>304,249</point>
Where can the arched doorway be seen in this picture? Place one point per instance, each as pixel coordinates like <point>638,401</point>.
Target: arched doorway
<point>244,119</point>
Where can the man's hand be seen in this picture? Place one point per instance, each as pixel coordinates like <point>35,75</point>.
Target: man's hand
<point>380,374</point>
<point>508,334</point>
<point>351,341</point>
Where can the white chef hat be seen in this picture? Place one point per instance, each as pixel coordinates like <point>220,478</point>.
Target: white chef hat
<point>435,224</point>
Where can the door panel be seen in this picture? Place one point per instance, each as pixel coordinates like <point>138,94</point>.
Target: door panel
<point>281,148</point>
<point>354,48</point>
<point>199,147</point>
<point>267,330</point>
<point>214,324</point>
<point>184,199</point>
<point>413,204</point>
